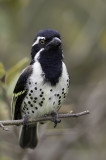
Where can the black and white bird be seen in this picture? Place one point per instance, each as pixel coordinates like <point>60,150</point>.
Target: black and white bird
<point>42,86</point>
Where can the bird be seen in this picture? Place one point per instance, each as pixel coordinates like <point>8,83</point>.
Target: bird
<point>41,87</point>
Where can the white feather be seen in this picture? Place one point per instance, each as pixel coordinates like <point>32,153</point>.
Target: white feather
<point>38,54</point>
<point>37,41</point>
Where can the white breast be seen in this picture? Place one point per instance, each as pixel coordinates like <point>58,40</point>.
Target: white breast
<point>42,98</point>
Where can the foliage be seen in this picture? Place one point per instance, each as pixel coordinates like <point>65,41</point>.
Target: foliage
<point>2,71</point>
<point>11,73</point>
<point>82,25</point>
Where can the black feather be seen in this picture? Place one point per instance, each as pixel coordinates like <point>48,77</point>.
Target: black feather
<point>48,33</point>
<point>51,63</point>
<point>28,136</point>
<point>21,86</point>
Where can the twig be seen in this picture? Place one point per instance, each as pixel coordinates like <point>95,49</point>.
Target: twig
<point>46,118</point>
<point>3,127</point>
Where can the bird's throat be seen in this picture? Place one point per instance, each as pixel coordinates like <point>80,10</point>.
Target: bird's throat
<point>51,64</point>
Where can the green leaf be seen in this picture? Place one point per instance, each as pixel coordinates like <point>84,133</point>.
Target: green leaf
<point>11,73</point>
<point>2,73</point>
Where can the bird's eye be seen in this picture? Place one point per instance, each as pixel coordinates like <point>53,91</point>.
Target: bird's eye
<point>42,41</point>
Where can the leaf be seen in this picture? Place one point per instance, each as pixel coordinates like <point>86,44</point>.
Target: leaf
<point>2,73</point>
<point>11,73</point>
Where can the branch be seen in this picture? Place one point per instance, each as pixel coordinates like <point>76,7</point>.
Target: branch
<point>46,118</point>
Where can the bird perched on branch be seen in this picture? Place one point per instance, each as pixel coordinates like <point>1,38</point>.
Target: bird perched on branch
<point>42,86</point>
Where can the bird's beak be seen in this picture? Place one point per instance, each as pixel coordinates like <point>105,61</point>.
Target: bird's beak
<point>54,43</point>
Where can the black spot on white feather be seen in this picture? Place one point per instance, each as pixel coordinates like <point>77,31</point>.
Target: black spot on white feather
<point>31,91</point>
<point>59,102</point>
<point>31,105</point>
<point>29,102</point>
<point>40,104</point>
<point>35,98</point>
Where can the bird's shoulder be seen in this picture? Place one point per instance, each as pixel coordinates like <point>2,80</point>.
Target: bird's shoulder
<point>22,80</point>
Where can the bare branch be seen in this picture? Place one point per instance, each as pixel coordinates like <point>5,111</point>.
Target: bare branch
<point>46,118</point>
<point>3,127</point>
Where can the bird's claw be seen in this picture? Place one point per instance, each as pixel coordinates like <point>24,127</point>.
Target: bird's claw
<point>25,120</point>
<point>55,122</point>
<point>55,119</point>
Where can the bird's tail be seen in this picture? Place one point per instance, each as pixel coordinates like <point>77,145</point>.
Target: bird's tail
<point>28,136</point>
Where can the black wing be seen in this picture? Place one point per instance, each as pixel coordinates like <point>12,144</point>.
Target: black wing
<point>20,92</point>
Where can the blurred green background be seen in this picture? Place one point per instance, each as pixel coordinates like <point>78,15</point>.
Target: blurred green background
<point>82,25</point>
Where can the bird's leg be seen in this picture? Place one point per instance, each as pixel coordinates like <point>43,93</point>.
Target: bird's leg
<point>55,118</point>
<point>25,120</point>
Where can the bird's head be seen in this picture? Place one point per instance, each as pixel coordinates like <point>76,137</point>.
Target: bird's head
<point>46,43</point>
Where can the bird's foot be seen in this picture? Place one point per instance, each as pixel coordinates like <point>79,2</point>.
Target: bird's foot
<point>55,119</point>
<point>25,120</point>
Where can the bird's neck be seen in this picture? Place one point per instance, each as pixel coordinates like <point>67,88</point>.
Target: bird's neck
<point>51,64</point>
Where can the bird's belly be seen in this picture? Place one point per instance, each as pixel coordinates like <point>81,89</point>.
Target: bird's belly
<point>44,100</point>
